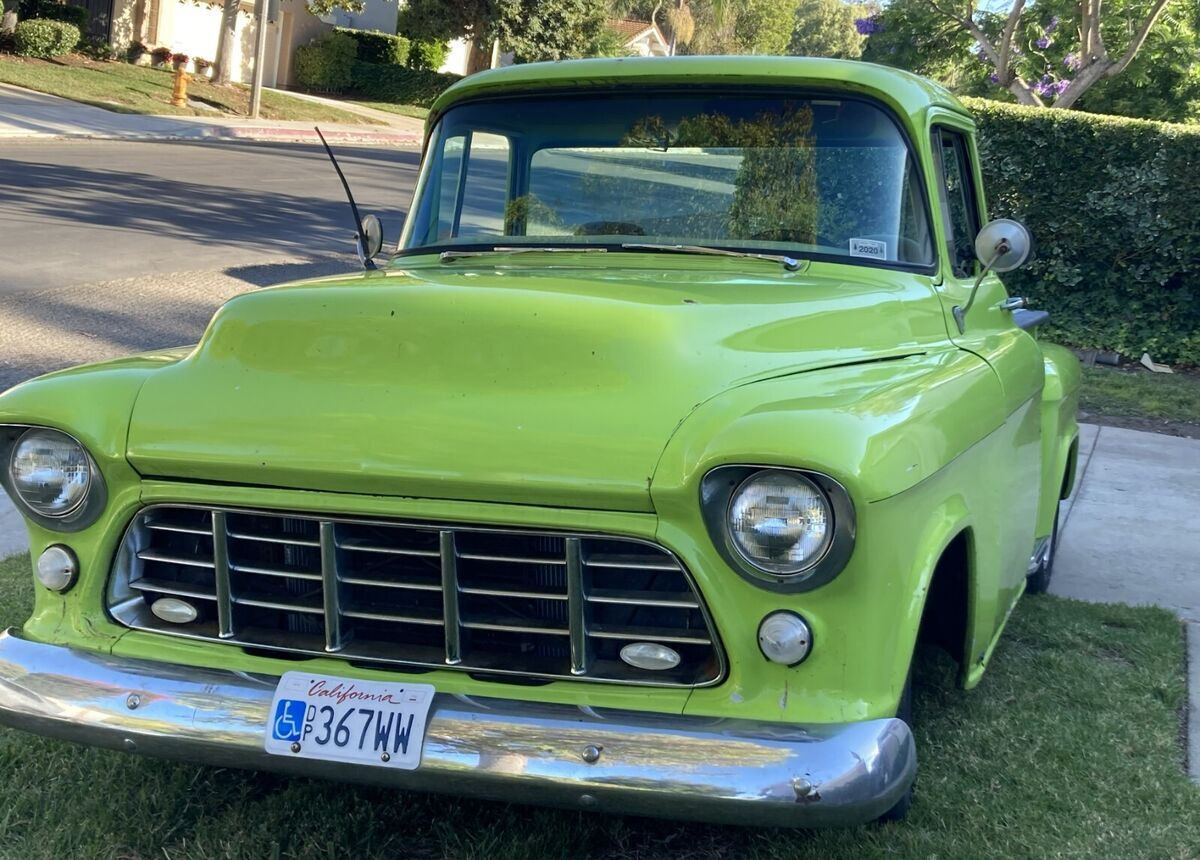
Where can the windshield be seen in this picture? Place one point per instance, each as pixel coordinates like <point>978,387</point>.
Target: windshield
<point>806,177</point>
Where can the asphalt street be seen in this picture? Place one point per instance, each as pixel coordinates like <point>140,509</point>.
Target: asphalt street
<point>108,248</point>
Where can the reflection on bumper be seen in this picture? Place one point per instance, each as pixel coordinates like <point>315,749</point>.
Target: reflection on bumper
<point>735,771</point>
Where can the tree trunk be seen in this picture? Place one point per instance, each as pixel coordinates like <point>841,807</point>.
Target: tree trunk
<point>1087,76</point>
<point>480,58</point>
<point>1024,93</point>
<point>223,66</point>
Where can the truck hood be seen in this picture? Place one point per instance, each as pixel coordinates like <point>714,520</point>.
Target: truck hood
<point>546,385</point>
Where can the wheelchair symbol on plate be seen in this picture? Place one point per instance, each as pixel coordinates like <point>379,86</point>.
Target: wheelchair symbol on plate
<point>289,719</point>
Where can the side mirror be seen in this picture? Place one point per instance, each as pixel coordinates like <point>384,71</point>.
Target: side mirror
<point>370,238</point>
<point>1002,245</point>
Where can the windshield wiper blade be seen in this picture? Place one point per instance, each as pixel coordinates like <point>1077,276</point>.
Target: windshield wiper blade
<point>789,263</point>
<point>451,256</point>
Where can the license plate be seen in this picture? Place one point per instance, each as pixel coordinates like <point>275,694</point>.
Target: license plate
<point>342,719</point>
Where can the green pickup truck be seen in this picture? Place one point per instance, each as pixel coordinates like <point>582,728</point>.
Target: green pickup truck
<point>688,405</point>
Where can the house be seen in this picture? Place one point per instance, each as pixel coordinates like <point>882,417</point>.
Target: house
<point>641,38</point>
<point>192,27</point>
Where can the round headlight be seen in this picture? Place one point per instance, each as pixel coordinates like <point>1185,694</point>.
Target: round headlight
<point>780,522</point>
<point>51,473</point>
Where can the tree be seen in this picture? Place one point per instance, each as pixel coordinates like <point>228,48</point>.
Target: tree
<point>1162,81</point>
<point>746,27</point>
<point>531,29</point>
<point>226,36</point>
<point>826,28</point>
<point>551,29</point>
<point>1003,47</point>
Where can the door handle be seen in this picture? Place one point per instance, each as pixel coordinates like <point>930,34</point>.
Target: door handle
<point>1015,303</point>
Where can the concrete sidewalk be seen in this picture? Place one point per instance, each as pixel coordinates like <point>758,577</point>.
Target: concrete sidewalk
<point>1130,532</point>
<point>25,114</point>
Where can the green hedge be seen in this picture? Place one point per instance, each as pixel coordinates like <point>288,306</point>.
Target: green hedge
<point>376,47</point>
<point>325,64</point>
<point>45,39</point>
<point>1114,207</point>
<point>397,84</point>
<point>53,11</point>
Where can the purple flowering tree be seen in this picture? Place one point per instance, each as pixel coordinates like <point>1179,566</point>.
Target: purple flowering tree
<point>1088,64</point>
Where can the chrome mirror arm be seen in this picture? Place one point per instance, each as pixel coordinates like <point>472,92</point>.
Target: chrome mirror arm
<point>960,313</point>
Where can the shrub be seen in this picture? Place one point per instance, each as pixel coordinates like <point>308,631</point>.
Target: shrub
<point>427,56</point>
<point>45,39</point>
<point>398,84</point>
<point>50,10</point>
<point>135,51</point>
<point>98,49</point>
<point>161,55</point>
<point>1114,207</point>
<point>376,47</point>
<point>325,64</point>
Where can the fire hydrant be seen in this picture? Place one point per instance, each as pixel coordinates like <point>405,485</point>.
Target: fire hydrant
<point>179,95</point>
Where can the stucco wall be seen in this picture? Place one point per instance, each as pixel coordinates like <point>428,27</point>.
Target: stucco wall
<point>296,26</point>
<point>376,15</point>
<point>195,27</point>
<point>192,28</point>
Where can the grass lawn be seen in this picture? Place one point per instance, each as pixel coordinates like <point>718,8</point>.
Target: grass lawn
<point>1071,747</point>
<point>1140,399</point>
<point>415,111</point>
<point>125,88</point>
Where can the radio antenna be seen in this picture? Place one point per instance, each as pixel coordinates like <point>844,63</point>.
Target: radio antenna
<point>358,225</point>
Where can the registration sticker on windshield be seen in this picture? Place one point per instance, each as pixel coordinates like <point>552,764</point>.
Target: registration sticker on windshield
<point>872,248</point>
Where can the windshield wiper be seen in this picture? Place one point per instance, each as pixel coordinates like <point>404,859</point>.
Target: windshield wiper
<point>451,256</point>
<point>789,263</point>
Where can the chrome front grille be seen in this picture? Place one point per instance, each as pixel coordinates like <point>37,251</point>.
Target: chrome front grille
<point>484,600</point>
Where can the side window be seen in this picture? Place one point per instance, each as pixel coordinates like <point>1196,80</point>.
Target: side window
<point>473,186</point>
<point>959,202</point>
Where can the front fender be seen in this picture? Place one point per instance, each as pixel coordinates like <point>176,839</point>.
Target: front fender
<point>903,437</point>
<point>92,403</point>
<point>1060,432</point>
<point>879,428</point>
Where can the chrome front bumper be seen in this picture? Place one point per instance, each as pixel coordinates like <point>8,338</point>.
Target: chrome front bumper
<point>715,770</point>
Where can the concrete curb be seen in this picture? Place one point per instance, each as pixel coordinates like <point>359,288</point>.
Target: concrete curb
<point>229,135</point>
<point>1193,706</point>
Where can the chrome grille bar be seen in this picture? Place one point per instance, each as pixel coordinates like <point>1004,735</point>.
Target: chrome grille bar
<point>449,556</point>
<point>508,602</point>
<point>224,590</point>
<point>330,588</point>
<point>577,607</point>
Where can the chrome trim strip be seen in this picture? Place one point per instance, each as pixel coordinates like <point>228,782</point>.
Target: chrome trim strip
<point>290,541</point>
<point>697,768</point>
<point>283,574</point>
<point>576,607</point>
<point>150,555</point>
<point>167,527</point>
<point>330,588</point>
<point>450,616</point>
<point>221,571</point>
<point>386,583</point>
<point>143,583</point>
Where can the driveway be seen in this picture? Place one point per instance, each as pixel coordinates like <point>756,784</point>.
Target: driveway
<point>1129,533</point>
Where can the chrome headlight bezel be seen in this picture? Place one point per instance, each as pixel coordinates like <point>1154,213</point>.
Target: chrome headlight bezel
<point>79,516</point>
<point>717,492</point>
